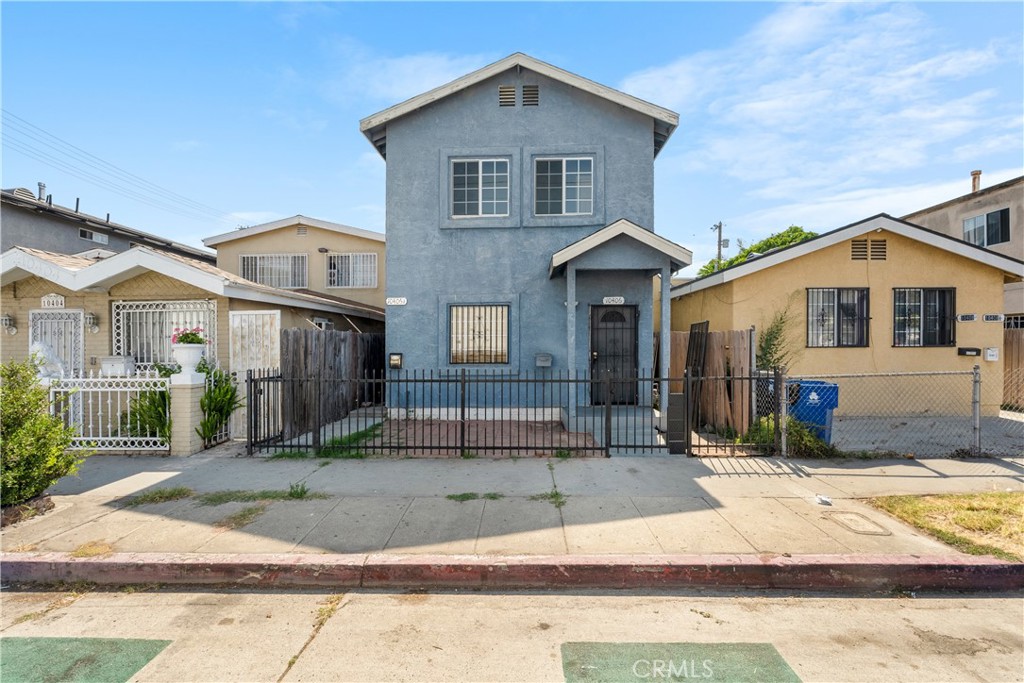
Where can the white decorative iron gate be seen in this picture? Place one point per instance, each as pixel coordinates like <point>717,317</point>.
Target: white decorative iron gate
<point>143,329</point>
<point>62,331</point>
<point>115,413</point>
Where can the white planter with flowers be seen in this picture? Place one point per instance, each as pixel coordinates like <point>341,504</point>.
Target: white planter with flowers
<point>188,348</point>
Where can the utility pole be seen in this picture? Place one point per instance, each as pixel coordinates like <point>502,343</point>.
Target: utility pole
<point>718,227</point>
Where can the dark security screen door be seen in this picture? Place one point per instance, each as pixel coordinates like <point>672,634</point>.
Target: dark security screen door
<point>613,353</point>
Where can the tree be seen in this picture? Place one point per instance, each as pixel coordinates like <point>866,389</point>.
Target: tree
<point>794,234</point>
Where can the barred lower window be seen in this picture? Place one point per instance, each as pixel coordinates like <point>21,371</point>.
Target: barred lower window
<point>837,317</point>
<point>478,334</point>
<point>988,229</point>
<point>143,329</point>
<point>564,187</point>
<point>924,317</point>
<point>287,271</point>
<point>480,187</point>
<point>352,270</point>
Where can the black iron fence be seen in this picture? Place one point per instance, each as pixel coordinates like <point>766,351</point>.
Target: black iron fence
<point>562,414</point>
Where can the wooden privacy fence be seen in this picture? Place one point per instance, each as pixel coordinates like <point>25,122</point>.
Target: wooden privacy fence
<point>725,392</point>
<point>327,355</point>
<point>1013,368</point>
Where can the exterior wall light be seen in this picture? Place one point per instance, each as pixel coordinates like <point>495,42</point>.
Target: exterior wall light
<point>395,361</point>
<point>92,322</point>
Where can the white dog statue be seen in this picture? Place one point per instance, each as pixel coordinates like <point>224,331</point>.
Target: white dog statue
<point>47,361</point>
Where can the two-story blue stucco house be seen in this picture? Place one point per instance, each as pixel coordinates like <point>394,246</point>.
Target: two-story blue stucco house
<point>520,214</point>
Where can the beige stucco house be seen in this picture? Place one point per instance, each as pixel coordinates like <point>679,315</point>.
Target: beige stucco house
<point>991,217</point>
<point>881,295</point>
<point>307,255</point>
<point>87,308</point>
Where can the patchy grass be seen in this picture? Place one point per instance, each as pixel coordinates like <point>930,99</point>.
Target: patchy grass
<point>467,454</point>
<point>563,454</point>
<point>554,496</point>
<point>294,492</point>
<point>291,455</point>
<point>493,496</point>
<point>327,610</point>
<point>93,549</point>
<point>348,446</point>
<point>155,496</point>
<point>462,497</point>
<point>243,517</point>
<point>973,523</point>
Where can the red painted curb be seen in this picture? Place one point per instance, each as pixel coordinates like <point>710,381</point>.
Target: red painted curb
<point>381,570</point>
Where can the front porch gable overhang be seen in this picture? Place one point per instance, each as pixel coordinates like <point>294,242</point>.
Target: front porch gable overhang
<point>591,246</point>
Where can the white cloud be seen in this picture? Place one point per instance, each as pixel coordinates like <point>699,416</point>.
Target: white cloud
<point>359,73</point>
<point>827,96</point>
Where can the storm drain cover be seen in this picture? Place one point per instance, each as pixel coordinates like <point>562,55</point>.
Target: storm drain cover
<point>620,662</point>
<point>858,523</point>
<point>75,659</point>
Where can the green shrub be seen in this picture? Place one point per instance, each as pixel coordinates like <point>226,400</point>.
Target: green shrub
<point>148,414</point>
<point>801,442</point>
<point>217,403</point>
<point>33,443</point>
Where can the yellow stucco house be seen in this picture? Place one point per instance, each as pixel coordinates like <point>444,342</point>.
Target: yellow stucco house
<point>90,307</point>
<point>307,255</point>
<point>881,295</point>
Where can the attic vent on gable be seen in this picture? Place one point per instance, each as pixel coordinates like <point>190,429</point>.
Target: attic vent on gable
<point>531,95</point>
<point>300,230</point>
<point>859,250</point>
<point>878,250</point>
<point>506,95</point>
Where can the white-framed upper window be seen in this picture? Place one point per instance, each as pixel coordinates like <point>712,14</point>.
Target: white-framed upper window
<point>563,186</point>
<point>97,237</point>
<point>352,270</point>
<point>287,271</point>
<point>479,187</point>
<point>988,229</point>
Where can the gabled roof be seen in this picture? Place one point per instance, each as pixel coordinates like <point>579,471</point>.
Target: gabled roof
<point>78,273</point>
<point>881,221</point>
<point>680,256</point>
<point>968,197</point>
<point>24,199</point>
<point>294,221</point>
<point>375,126</point>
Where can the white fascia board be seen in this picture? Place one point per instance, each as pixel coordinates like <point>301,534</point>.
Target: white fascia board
<point>18,265</point>
<point>527,62</point>
<point>294,221</point>
<point>887,223</point>
<point>622,226</point>
<point>129,264</point>
<point>237,291</point>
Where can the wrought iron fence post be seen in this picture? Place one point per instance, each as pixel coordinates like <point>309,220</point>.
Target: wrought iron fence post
<point>687,397</point>
<point>462,412</point>
<point>608,415</point>
<point>250,411</point>
<point>783,415</point>
<point>976,411</point>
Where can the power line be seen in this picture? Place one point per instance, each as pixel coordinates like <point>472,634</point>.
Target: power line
<point>112,177</point>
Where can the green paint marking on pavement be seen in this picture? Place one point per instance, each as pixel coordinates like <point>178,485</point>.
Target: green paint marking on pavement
<point>655,662</point>
<point>46,660</point>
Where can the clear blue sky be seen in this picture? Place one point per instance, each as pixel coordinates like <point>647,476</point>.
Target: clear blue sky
<point>816,115</point>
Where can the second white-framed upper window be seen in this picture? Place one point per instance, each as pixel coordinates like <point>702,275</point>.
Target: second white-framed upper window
<point>479,187</point>
<point>563,186</point>
<point>352,270</point>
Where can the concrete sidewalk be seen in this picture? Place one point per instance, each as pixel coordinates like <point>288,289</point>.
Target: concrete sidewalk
<point>641,511</point>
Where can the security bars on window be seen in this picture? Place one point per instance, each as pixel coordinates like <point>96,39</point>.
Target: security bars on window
<point>480,187</point>
<point>287,271</point>
<point>478,334</point>
<point>924,317</point>
<point>352,270</point>
<point>564,187</point>
<point>837,317</point>
<point>143,329</point>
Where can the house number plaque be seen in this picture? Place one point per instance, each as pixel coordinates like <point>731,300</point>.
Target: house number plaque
<point>613,300</point>
<point>395,301</point>
<point>52,301</point>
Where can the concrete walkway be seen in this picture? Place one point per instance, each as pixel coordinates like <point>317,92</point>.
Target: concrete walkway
<point>641,508</point>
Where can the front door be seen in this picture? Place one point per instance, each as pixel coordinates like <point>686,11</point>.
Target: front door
<point>255,345</point>
<point>60,332</point>
<point>613,357</point>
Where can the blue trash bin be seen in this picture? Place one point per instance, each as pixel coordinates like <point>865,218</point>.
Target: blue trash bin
<point>814,404</point>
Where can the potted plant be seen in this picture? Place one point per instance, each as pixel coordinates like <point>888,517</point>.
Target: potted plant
<point>188,346</point>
